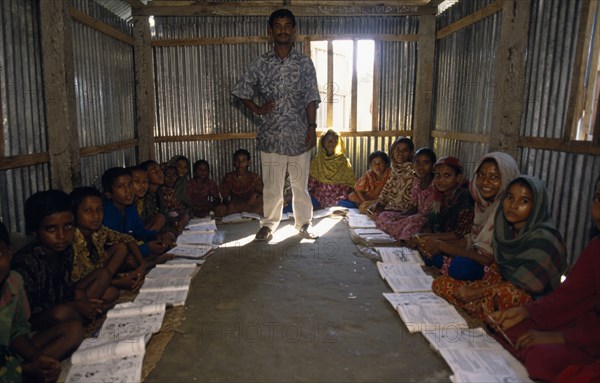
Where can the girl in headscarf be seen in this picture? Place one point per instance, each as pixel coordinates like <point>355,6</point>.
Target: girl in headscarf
<point>396,194</point>
<point>331,177</point>
<point>403,225</point>
<point>528,249</point>
<point>451,216</point>
<point>558,336</point>
<point>473,257</point>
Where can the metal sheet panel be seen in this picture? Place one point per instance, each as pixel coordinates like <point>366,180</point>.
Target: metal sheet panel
<point>550,58</point>
<point>464,78</point>
<point>21,100</point>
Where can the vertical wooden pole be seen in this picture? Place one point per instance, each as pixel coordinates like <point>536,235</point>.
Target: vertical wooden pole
<point>424,82</point>
<point>144,88</point>
<point>59,92</point>
<point>509,91</point>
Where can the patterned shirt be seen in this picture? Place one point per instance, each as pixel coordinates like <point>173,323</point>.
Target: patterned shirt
<point>44,288</point>
<point>292,84</point>
<point>14,309</point>
<point>89,256</point>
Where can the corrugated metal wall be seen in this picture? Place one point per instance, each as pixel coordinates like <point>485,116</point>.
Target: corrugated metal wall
<point>23,116</point>
<point>105,91</point>
<point>193,84</point>
<point>464,81</point>
<point>569,176</point>
<point>464,98</point>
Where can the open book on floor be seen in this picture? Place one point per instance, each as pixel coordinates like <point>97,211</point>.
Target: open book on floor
<point>360,221</point>
<point>109,362</point>
<point>128,320</point>
<point>422,311</point>
<point>192,251</point>
<point>400,255</point>
<point>240,217</point>
<point>405,278</point>
<point>474,365</point>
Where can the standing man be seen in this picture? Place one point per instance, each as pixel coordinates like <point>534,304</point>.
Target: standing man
<point>286,83</point>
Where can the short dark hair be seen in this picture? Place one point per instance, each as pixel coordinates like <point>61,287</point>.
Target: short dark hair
<point>241,151</point>
<point>200,162</point>
<point>79,194</point>
<point>146,164</point>
<point>282,13</point>
<point>379,154</point>
<point>42,204</point>
<point>427,152</point>
<point>109,177</point>
<point>4,236</point>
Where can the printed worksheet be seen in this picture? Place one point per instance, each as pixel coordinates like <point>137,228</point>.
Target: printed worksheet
<point>400,255</point>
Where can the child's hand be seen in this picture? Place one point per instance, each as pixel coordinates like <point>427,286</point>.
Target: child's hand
<point>43,368</point>
<point>532,337</point>
<point>89,308</point>
<point>510,317</point>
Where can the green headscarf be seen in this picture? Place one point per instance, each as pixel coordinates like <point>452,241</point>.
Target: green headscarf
<point>536,258</point>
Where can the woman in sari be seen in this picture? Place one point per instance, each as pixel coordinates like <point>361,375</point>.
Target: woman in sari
<point>331,177</point>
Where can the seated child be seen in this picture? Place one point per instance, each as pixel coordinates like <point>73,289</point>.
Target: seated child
<point>330,177</point>
<point>140,188</point>
<point>559,333</point>
<point>183,175</point>
<point>396,194</point>
<point>97,246</point>
<point>201,191</point>
<point>154,211</point>
<point>451,216</point>
<point>178,210</point>
<point>471,260</point>
<point>35,356</point>
<point>47,263</point>
<point>120,214</point>
<point>241,189</point>
<point>368,187</point>
<point>528,249</point>
<point>401,224</point>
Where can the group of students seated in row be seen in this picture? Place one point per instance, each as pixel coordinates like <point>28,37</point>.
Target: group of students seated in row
<point>499,253</point>
<point>500,256</point>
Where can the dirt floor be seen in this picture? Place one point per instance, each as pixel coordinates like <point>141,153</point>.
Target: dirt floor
<point>293,310</point>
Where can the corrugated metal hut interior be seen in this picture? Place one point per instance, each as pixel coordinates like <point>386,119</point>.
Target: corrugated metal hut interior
<point>91,84</point>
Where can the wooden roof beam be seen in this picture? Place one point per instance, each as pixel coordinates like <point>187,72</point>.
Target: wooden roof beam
<point>307,8</point>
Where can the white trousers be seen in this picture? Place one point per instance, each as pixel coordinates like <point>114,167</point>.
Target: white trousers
<point>274,167</point>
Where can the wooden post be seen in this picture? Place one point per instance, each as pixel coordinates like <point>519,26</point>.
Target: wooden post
<point>510,77</point>
<point>424,82</point>
<point>59,92</point>
<point>145,117</point>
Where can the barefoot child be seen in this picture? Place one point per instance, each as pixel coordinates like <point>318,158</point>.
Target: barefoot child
<point>97,246</point>
<point>36,357</point>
